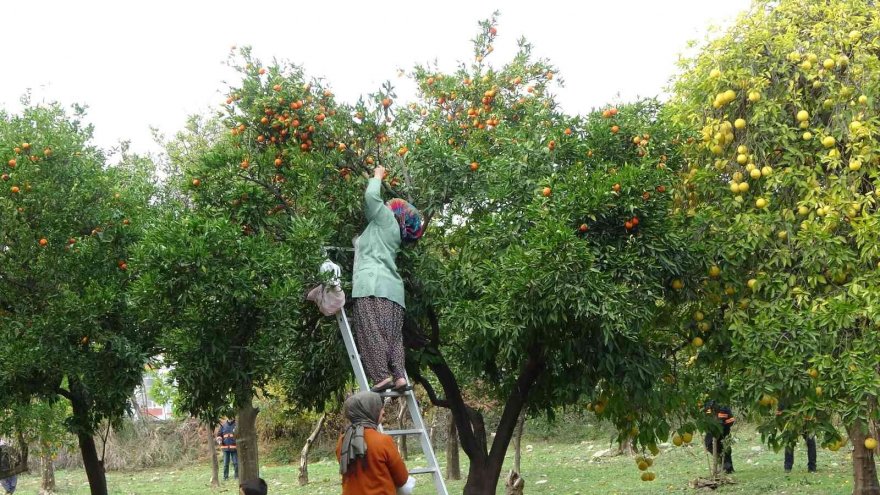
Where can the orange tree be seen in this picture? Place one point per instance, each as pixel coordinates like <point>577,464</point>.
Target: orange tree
<point>38,424</point>
<point>781,186</point>
<point>547,270</point>
<point>223,275</point>
<point>67,222</point>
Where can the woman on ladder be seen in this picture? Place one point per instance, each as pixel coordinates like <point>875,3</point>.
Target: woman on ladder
<point>377,287</point>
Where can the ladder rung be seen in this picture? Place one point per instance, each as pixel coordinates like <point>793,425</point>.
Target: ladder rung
<point>395,394</point>
<point>404,432</point>
<point>424,471</point>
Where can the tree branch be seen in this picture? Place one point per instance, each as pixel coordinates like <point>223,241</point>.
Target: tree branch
<point>432,394</point>
<point>435,325</point>
<point>64,393</point>
<point>531,370</point>
<point>269,187</point>
<point>466,433</point>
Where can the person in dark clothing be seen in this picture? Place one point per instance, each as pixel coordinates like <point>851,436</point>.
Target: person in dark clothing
<point>253,487</point>
<point>811,454</point>
<point>723,449</point>
<point>789,450</point>
<point>7,484</point>
<point>226,440</point>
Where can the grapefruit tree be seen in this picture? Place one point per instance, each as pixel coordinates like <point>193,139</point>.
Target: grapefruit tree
<point>67,222</point>
<point>781,185</point>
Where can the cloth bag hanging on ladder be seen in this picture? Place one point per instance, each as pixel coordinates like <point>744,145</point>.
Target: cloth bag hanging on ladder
<point>329,297</point>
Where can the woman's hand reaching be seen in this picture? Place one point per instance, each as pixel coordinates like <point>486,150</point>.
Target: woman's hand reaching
<point>379,172</point>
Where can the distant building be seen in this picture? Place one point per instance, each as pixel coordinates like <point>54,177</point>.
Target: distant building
<point>145,405</point>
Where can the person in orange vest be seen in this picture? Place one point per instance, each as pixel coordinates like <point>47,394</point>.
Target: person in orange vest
<point>368,460</point>
<point>725,420</point>
<point>226,440</point>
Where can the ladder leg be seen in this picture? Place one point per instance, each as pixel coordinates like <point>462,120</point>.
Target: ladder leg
<point>351,347</point>
<point>419,424</point>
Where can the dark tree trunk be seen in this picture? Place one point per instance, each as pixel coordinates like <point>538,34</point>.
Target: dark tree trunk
<point>47,471</point>
<point>484,470</point>
<point>453,466</point>
<point>93,466</point>
<point>212,453</point>
<point>304,455</point>
<point>246,440</point>
<point>864,467</point>
<point>485,465</point>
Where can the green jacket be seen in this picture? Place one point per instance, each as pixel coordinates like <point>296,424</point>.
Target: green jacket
<point>375,272</point>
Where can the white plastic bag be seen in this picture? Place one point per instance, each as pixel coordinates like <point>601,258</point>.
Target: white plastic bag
<point>408,487</point>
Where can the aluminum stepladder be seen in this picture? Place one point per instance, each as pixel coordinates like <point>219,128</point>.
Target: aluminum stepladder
<point>415,413</point>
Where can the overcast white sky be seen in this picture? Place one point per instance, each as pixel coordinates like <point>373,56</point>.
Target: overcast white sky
<point>143,63</point>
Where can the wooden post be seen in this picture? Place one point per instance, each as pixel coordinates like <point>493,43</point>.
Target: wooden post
<point>514,484</point>
<point>212,454</point>
<point>304,454</point>
<point>401,420</point>
<point>517,442</point>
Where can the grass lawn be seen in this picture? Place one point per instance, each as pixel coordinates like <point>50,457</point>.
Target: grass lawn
<point>547,468</point>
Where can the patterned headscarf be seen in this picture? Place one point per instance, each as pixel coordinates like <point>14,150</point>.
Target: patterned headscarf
<point>409,219</point>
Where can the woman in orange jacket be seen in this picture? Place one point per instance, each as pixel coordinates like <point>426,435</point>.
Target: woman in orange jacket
<point>368,460</point>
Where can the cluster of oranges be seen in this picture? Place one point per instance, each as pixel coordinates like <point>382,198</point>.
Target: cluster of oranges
<point>611,113</point>
<point>25,150</point>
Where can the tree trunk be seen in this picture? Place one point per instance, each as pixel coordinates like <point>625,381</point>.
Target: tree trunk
<point>432,435</point>
<point>212,453</point>
<point>864,469</point>
<point>483,474</point>
<point>304,455</point>
<point>517,446</point>
<point>246,440</point>
<point>626,447</point>
<point>93,466</point>
<point>485,466</point>
<point>47,469</point>
<point>401,424</point>
<point>453,466</point>
<point>479,479</point>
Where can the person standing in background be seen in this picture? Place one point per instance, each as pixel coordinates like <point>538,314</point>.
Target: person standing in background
<point>723,449</point>
<point>8,484</point>
<point>789,450</point>
<point>226,440</point>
